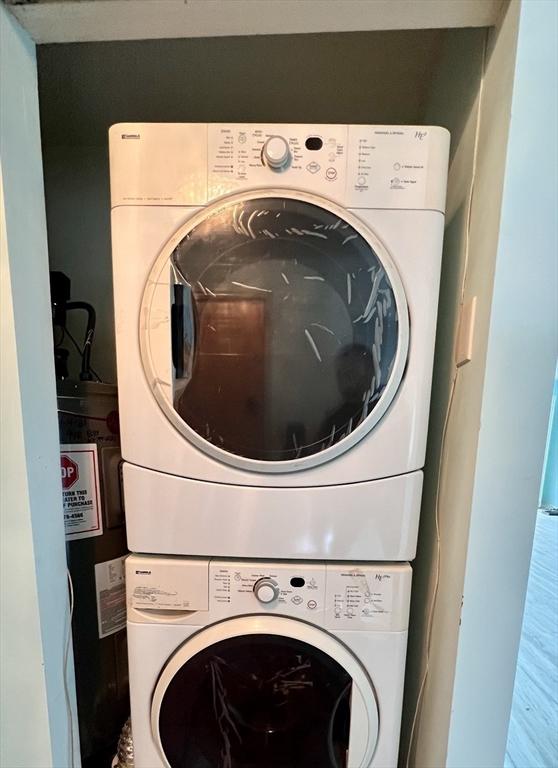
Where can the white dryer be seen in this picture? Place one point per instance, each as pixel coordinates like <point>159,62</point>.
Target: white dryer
<point>276,291</point>
<point>238,664</point>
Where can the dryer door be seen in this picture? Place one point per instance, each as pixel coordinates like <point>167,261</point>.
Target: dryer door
<point>274,330</point>
<point>264,691</point>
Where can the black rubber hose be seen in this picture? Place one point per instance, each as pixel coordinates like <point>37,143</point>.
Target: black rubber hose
<point>86,374</point>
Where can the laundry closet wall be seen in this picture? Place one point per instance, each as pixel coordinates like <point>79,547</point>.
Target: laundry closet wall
<point>500,247</point>
<point>478,120</point>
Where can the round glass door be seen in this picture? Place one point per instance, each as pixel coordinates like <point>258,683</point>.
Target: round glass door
<point>274,330</point>
<point>272,699</point>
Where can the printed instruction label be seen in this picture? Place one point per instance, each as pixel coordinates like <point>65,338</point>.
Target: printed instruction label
<point>110,587</point>
<point>361,596</point>
<point>79,467</point>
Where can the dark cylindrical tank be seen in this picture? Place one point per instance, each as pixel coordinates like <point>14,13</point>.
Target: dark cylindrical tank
<point>95,544</point>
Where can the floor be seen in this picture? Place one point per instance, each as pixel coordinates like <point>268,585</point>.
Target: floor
<point>533,733</point>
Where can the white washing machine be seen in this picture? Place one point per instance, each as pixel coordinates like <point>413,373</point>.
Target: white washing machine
<point>239,664</point>
<point>276,291</point>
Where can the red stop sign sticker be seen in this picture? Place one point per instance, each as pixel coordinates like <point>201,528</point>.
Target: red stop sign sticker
<point>70,471</point>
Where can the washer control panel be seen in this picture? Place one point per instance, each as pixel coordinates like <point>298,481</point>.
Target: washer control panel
<point>247,156</point>
<point>338,596</point>
<point>366,595</point>
<point>166,584</point>
<point>285,588</point>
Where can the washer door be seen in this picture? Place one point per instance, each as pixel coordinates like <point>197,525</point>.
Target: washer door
<point>274,330</point>
<point>264,691</point>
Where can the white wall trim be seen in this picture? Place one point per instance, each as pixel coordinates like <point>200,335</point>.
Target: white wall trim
<point>33,715</point>
<point>51,21</point>
<point>522,348</point>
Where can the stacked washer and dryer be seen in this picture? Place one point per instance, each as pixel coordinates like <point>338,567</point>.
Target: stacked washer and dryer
<point>276,292</point>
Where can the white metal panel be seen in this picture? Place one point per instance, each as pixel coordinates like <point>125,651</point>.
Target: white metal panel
<point>166,584</point>
<point>364,717</point>
<point>158,163</point>
<point>363,521</point>
<point>380,654</point>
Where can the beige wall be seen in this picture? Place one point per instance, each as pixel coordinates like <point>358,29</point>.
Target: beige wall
<point>520,362</point>
<point>456,87</point>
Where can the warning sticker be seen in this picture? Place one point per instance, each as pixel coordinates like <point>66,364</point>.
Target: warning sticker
<point>111,596</point>
<point>79,466</point>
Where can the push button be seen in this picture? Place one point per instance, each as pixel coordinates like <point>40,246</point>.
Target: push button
<point>296,599</point>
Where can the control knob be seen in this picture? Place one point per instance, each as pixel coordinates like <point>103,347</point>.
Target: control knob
<point>276,153</point>
<point>266,590</point>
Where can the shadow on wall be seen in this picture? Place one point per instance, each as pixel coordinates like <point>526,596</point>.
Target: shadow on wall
<point>357,77</point>
<point>78,225</point>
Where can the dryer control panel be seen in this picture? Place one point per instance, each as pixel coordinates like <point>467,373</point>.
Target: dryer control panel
<point>358,166</point>
<point>242,156</point>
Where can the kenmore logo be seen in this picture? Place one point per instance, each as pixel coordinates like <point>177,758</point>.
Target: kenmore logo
<point>143,573</point>
<point>130,136</point>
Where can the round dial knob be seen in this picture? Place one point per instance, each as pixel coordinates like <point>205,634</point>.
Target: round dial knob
<point>276,153</point>
<point>266,590</point>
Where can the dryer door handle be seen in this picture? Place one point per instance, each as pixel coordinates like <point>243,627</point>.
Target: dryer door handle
<point>182,330</point>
